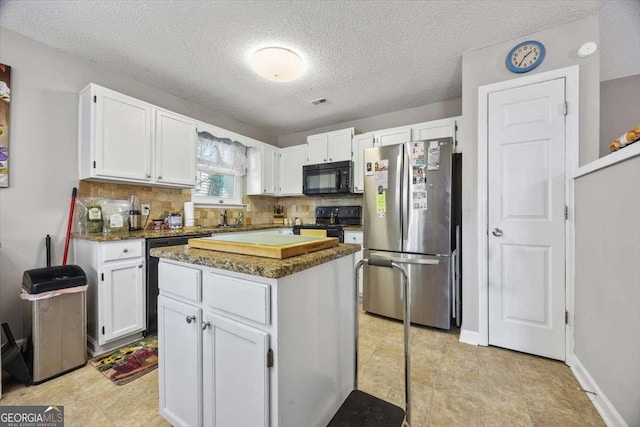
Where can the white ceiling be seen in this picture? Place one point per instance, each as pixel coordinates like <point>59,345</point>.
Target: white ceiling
<point>366,58</point>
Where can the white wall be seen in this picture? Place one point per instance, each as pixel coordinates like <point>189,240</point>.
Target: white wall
<point>487,65</point>
<point>607,283</point>
<point>43,152</point>
<point>425,113</point>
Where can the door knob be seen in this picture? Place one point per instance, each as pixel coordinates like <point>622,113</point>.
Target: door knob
<point>191,319</point>
<point>497,232</point>
<point>206,325</point>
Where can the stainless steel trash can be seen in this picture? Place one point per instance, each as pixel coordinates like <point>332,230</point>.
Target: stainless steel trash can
<point>55,320</point>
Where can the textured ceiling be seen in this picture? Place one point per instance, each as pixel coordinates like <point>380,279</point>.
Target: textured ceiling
<point>366,58</point>
<point>619,39</point>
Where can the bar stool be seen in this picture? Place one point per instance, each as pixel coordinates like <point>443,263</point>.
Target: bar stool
<point>360,408</point>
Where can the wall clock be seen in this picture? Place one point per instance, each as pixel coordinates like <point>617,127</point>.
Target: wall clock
<point>525,56</point>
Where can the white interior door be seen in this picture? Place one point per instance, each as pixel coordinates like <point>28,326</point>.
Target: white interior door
<point>526,205</point>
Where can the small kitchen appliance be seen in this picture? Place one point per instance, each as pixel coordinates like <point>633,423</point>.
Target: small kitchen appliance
<point>135,214</point>
<point>327,178</point>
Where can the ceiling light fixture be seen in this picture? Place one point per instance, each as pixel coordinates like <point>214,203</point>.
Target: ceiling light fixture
<point>277,64</point>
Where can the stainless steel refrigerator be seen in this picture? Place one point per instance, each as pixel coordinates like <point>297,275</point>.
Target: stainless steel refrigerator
<point>407,212</point>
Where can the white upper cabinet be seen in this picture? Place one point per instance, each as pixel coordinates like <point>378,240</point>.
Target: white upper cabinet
<point>418,132</point>
<point>176,139</point>
<point>292,159</point>
<point>360,143</point>
<point>340,145</point>
<point>317,147</point>
<point>124,139</point>
<point>118,130</point>
<point>262,172</point>
<point>392,136</point>
<point>329,147</point>
<point>438,129</point>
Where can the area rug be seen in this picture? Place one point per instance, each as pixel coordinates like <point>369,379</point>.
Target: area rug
<point>129,362</point>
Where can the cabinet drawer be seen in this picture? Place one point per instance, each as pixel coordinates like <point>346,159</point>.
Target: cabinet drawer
<point>122,250</point>
<point>353,237</point>
<point>236,296</point>
<point>179,280</point>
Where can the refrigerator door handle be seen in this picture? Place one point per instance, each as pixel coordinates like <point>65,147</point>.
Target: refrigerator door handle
<point>404,205</point>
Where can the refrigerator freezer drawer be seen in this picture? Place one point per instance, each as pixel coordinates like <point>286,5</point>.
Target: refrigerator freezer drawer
<point>430,291</point>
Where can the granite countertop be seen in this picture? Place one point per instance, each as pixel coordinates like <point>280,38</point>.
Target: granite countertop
<point>253,265</point>
<point>186,231</point>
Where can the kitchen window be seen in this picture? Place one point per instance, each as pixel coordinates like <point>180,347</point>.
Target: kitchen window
<point>221,164</point>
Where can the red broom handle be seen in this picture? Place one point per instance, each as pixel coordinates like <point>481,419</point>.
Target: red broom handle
<point>74,193</point>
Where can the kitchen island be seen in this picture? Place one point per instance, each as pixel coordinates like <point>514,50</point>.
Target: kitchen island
<point>246,340</point>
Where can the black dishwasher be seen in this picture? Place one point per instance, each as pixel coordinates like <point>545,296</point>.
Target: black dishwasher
<point>152,275</point>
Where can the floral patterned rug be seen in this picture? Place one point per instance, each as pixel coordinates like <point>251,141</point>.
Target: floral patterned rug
<point>129,362</point>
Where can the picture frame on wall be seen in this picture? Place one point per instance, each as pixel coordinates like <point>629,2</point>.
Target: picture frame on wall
<point>5,98</point>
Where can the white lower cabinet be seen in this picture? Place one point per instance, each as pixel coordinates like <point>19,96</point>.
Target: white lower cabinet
<point>122,295</point>
<point>235,373</point>
<point>116,302</point>
<point>214,370</point>
<point>179,357</point>
<point>245,350</point>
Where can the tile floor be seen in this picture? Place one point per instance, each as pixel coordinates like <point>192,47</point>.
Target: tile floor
<point>453,384</point>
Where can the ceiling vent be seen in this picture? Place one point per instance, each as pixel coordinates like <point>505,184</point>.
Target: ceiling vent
<point>318,101</point>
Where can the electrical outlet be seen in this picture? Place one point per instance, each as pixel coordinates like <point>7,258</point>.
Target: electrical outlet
<point>248,207</point>
<point>146,209</point>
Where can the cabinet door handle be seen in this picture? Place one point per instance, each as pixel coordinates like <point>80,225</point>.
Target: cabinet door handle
<point>140,266</point>
<point>125,250</point>
<point>330,159</point>
<point>160,177</point>
<point>191,319</point>
<point>148,175</point>
<point>206,325</point>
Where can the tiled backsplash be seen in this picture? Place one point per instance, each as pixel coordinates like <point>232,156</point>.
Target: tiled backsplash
<point>172,200</point>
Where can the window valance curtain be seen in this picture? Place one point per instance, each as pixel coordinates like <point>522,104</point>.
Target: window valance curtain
<point>221,153</point>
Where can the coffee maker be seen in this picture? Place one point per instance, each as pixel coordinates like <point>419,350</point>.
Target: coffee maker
<point>135,215</point>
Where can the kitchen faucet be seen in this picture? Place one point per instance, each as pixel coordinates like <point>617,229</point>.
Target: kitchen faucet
<point>224,218</point>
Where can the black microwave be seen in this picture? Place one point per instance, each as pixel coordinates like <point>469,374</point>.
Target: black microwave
<point>327,178</point>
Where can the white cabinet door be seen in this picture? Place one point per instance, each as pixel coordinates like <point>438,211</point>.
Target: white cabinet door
<point>269,171</point>
<point>438,129</point>
<point>235,374</point>
<point>175,149</point>
<point>180,367</point>
<point>262,171</point>
<point>360,143</point>
<point>122,136</point>
<point>317,146</point>
<point>122,299</point>
<point>392,136</point>
<point>339,145</point>
<point>292,159</point>
<point>357,238</point>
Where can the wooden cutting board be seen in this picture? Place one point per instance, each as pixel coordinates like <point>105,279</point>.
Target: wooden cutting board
<point>264,244</point>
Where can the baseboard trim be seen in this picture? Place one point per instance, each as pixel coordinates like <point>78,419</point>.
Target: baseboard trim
<point>604,407</point>
<point>469,337</point>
